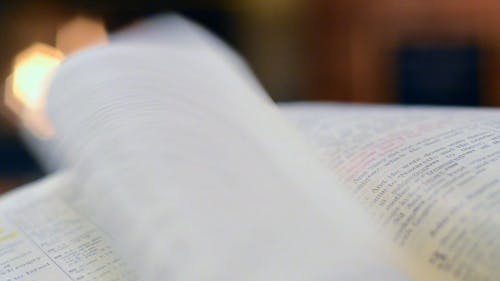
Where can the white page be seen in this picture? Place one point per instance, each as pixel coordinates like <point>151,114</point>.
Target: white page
<point>428,175</point>
<point>177,31</point>
<point>167,31</point>
<point>197,177</point>
<point>45,238</point>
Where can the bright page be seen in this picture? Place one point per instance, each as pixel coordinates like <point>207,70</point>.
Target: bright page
<point>198,177</point>
<point>45,238</point>
<point>429,176</point>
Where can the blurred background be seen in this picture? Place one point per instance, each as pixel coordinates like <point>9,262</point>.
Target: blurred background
<point>442,52</point>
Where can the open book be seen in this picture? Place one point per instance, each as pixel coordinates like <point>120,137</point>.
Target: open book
<point>174,165</point>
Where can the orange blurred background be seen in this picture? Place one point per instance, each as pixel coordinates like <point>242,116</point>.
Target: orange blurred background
<point>442,52</point>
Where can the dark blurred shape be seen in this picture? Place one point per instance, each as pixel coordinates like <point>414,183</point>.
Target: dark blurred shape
<point>16,160</point>
<point>439,75</point>
<point>357,49</point>
<point>17,166</point>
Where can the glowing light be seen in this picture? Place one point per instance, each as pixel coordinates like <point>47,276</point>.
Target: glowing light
<point>80,33</point>
<point>25,92</point>
<point>32,67</point>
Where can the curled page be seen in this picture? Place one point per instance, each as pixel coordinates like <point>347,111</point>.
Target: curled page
<point>177,31</point>
<point>166,31</point>
<point>197,177</point>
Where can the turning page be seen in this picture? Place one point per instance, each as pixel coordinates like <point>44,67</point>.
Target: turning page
<point>165,31</point>
<point>429,176</point>
<point>197,176</point>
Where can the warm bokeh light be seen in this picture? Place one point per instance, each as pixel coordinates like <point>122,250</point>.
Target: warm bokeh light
<point>25,92</point>
<point>80,33</point>
<point>31,69</point>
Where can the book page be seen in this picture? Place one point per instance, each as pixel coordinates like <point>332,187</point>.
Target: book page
<point>166,31</point>
<point>198,177</point>
<point>43,237</point>
<point>175,30</point>
<point>429,176</point>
